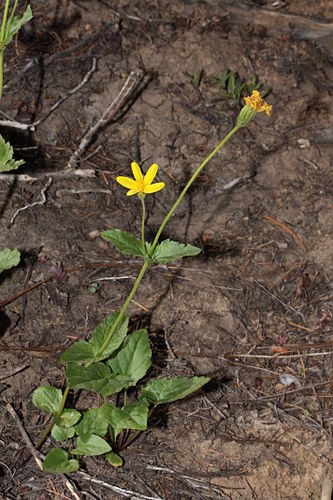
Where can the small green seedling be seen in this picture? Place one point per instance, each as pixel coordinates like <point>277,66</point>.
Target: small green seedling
<point>195,78</point>
<point>234,87</point>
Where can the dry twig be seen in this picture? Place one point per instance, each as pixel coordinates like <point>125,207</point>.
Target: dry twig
<point>87,172</point>
<point>130,86</point>
<point>30,205</point>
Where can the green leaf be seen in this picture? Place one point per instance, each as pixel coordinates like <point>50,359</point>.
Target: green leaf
<point>68,418</point>
<point>115,384</point>
<point>9,258</point>
<point>169,251</point>
<point>16,24</point>
<point>7,161</point>
<point>79,351</point>
<point>93,377</point>
<point>134,358</point>
<point>57,461</point>
<point>91,445</point>
<point>61,434</point>
<point>132,416</point>
<point>163,390</point>
<point>126,243</point>
<point>114,459</point>
<point>102,331</point>
<point>47,398</point>
<point>93,422</point>
<point>96,378</point>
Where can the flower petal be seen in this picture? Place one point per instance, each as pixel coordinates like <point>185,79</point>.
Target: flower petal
<point>149,177</point>
<point>126,182</point>
<point>136,171</point>
<point>152,188</point>
<point>132,191</point>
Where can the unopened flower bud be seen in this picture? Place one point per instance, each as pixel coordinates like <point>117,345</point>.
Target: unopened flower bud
<point>246,115</point>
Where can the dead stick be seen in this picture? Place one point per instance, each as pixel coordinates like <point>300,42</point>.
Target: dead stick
<point>25,436</point>
<point>30,205</point>
<point>125,93</point>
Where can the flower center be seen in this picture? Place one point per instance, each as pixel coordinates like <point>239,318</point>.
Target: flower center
<point>141,186</point>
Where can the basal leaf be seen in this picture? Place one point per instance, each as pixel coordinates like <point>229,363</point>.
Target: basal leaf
<point>126,243</point>
<point>9,258</point>
<point>91,445</point>
<point>47,398</point>
<point>57,461</point>
<point>114,459</point>
<point>164,390</point>
<point>93,422</point>
<point>92,378</point>
<point>61,434</point>
<point>134,358</point>
<point>132,416</point>
<point>68,418</point>
<point>79,351</point>
<point>115,384</point>
<point>7,161</point>
<point>101,332</point>
<point>169,251</point>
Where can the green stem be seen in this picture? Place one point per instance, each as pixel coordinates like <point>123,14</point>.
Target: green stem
<point>122,312</point>
<point>142,198</point>
<point>10,20</point>
<point>4,22</point>
<point>190,182</point>
<point>2,39</point>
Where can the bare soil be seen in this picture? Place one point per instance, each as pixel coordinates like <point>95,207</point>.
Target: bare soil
<point>254,310</point>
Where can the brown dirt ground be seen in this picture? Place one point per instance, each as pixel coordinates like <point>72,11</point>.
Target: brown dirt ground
<point>258,288</point>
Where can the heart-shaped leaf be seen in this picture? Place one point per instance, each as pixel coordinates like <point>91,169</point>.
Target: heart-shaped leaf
<point>91,445</point>
<point>47,398</point>
<point>165,390</point>
<point>57,461</point>
<point>126,243</point>
<point>169,251</point>
<point>134,359</point>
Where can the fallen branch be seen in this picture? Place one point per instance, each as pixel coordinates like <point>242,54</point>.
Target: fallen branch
<point>87,172</point>
<point>127,91</point>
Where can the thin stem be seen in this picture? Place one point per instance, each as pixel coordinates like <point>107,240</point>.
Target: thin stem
<point>142,198</point>
<point>190,182</point>
<point>125,397</point>
<point>122,312</point>
<point>2,39</point>
<point>4,22</point>
<point>10,20</point>
<point>51,423</point>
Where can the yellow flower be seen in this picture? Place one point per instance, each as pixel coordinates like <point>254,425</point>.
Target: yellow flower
<point>141,185</point>
<point>257,103</point>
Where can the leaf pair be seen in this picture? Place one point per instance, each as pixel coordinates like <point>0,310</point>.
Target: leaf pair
<point>165,252</point>
<point>121,371</point>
